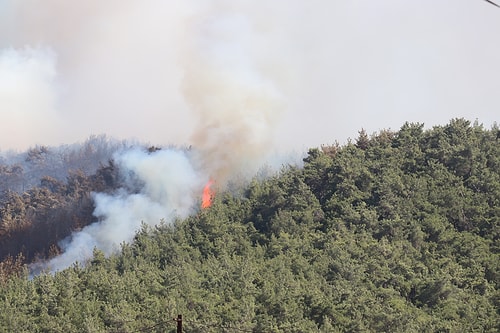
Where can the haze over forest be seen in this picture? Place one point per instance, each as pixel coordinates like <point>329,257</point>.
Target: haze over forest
<point>131,69</point>
<point>396,230</point>
<point>393,232</point>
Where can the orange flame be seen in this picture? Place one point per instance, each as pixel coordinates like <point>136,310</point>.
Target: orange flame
<point>208,195</point>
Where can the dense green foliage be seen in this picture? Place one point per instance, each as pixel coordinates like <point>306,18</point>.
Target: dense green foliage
<point>396,232</point>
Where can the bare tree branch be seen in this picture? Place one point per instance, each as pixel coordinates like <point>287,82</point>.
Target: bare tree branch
<point>494,4</point>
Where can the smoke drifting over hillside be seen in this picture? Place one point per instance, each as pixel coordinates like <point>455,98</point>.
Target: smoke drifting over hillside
<point>234,79</point>
<point>355,64</point>
<point>234,93</point>
<point>158,186</point>
<point>172,72</point>
<point>114,69</point>
<point>228,84</point>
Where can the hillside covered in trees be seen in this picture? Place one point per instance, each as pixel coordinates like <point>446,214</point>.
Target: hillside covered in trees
<point>45,193</point>
<point>393,232</point>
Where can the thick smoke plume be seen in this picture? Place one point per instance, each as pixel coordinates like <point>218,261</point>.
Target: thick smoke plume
<point>359,64</point>
<point>229,84</point>
<point>98,67</point>
<point>234,90</point>
<point>215,74</point>
<point>159,186</point>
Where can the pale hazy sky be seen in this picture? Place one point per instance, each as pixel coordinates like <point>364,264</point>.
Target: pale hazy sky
<point>118,67</point>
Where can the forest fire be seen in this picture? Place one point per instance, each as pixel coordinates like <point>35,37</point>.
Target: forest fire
<point>208,195</point>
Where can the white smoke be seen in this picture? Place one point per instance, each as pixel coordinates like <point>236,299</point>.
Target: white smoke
<point>370,64</point>
<point>160,186</point>
<point>27,94</point>
<point>115,60</point>
<point>152,63</point>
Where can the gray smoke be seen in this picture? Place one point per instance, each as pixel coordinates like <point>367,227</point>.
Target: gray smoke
<point>233,86</point>
<point>72,69</point>
<point>234,90</point>
<point>356,64</point>
<point>216,74</point>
